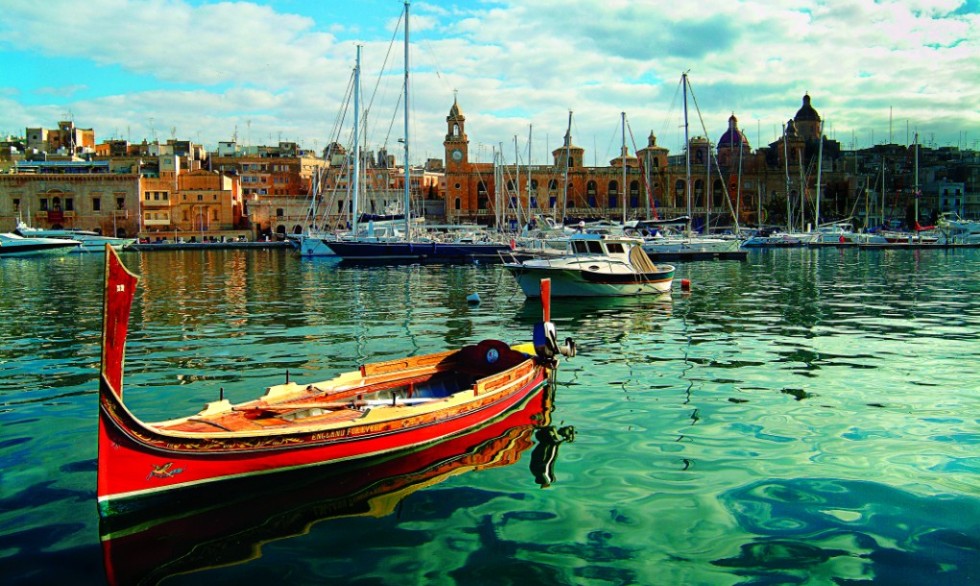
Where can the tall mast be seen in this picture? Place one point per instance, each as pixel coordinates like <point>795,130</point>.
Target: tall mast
<point>530,130</point>
<point>916,186</point>
<point>622,189</point>
<point>816,214</point>
<point>687,157</point>
<point>517,185</point>
<point>564,193</point>
<point>789,216</point>
<point>802,190</point>
<point>408,200</point>
<point>357,140</point>
<point>709,190</point>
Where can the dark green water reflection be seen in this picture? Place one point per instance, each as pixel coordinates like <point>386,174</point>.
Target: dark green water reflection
<point>809,416</point>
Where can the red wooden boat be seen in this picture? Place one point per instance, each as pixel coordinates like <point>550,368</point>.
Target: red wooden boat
<point>383,408</point>
<point>230,522</point>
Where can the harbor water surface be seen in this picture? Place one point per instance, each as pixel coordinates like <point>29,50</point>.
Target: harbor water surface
<point>805,417</point>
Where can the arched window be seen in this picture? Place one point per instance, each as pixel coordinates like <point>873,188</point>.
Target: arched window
<point>553,185</point>
<point>698,193</point>
<point>634,194</point>
<point>458,204</point>
<point>613,195</point>
<point>590,194</point>
<point>680,195</point>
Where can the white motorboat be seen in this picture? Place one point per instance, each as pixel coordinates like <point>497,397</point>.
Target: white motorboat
<point>16,245</point>
<point>595,265</point>
<point>90,241</point>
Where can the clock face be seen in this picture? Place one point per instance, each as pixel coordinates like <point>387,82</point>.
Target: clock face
<point>457,155</point>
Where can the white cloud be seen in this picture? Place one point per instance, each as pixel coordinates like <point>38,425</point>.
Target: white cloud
<point>516,64</point>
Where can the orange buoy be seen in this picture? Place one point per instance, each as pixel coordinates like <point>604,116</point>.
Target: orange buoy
<point>685,284</point>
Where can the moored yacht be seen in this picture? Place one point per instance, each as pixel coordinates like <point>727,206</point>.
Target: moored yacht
<point>88,240</point>
<point>16,245</point>
<point>595,265</point>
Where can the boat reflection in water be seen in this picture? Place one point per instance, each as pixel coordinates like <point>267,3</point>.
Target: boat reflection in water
<point>228,522</point>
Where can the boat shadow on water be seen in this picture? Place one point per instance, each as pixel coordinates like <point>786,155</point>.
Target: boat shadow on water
<point>228,523</point>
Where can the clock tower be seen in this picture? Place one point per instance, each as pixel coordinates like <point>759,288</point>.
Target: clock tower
<point>456,143</point>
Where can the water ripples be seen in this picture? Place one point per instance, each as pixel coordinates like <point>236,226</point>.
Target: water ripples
<point>807,415</point>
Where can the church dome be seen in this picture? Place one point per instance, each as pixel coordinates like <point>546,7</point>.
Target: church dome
<point>455,112</point>
<point>733,137</point>
<point>806,113</point>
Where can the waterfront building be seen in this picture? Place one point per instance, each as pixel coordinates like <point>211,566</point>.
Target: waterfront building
<point>275,182</point>
<point>83,195</point>
<point>773,184</point>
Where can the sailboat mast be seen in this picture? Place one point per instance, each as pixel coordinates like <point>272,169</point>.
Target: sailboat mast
<point>802,189</point>
<point>916,181</point>
<point>789,216</point>
<point>708,189</point>
<point>816,213</point>
<point>687,157</point>
<point>357,140</point>
<point>564,192</point>
<point>408,200</point>
<point>518,209</point>
<point>530,131</point>
<point>623,188</point>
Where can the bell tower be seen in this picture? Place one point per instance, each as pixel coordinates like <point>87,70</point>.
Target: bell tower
<point>456,143</point>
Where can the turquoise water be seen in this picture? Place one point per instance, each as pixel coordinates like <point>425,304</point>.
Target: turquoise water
<point>806,417</point>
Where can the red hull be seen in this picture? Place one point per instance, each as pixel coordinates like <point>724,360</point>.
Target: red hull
<point>130,468</point>
<point>177,537</point>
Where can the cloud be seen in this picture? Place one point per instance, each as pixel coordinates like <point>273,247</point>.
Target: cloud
<point>65,91</point>
<point>209,67</point>
<point>172,40</point>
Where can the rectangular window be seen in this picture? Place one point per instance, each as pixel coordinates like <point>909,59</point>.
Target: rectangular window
<point>44,204</point>
<point>156,196</point>
<point>96,204</point>
<point>120,203</point>
<point>16,205</point>
<point>69,204</point>
<point>200,197</point>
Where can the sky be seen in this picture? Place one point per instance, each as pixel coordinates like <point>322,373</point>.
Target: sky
<point>266,71</point>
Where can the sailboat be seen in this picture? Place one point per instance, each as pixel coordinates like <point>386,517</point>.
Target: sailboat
<point>687,245</point>
<point>406,249</point>
<point>365,227</point>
